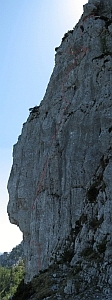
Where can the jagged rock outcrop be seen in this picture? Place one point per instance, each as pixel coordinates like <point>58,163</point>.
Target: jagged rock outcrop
<point>60,186</point>
<point>9,259</point>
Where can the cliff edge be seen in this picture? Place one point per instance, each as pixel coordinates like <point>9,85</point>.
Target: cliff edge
<point>60,186</point>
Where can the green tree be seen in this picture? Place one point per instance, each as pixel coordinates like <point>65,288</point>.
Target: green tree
<point>10,278</point>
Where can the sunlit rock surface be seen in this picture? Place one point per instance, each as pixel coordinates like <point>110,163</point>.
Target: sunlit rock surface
<point>60,186</point>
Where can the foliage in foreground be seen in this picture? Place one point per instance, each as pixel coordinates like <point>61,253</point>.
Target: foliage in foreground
<point>38,288</point>
<point>10,277</point>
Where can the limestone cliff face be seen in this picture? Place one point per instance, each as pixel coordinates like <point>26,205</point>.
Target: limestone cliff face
<point>60,186</point>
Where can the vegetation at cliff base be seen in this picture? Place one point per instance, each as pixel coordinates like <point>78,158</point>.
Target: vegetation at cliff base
<point>10,277</point>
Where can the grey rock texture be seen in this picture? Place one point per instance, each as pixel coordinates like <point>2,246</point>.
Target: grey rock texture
<point>60,186</point>
<point>12,258</point>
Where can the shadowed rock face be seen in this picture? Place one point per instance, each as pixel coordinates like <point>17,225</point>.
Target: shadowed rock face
<point>60,186</point>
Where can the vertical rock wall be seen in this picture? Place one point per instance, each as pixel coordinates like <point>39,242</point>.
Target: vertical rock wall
<point>60,186</point>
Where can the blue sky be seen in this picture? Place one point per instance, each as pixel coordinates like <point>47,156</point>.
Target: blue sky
<point>29,32</point>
